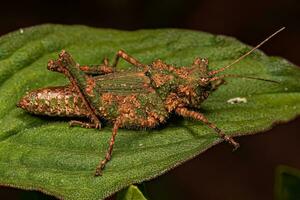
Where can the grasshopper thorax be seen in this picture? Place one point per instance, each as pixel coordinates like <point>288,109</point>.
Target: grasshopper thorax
<point>191,84</point>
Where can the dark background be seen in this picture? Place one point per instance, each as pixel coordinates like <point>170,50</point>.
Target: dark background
<point>217,173</point>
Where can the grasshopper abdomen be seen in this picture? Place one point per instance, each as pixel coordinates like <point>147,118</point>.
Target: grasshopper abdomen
<point>54,101</point>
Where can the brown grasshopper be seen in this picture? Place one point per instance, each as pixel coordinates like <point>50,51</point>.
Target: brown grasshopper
<point>144,97</point>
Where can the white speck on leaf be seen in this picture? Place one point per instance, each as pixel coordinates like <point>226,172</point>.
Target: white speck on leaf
<point>237,100</point>
<point>286,89</point>
<point>21,31</point>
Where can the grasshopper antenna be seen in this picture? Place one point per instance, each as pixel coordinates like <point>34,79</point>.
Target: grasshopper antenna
<point>246,54</point>
<point>241,76</point>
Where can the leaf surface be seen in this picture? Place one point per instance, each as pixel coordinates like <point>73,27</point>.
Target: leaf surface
<point>43,153</point>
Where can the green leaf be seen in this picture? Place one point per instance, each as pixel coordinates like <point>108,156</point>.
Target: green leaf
<point>287,183</point>
<point>131,193</point>
<point>40,153</point>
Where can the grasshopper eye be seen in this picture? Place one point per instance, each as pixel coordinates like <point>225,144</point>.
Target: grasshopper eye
<point>204,81</point>
<point>205,61</point>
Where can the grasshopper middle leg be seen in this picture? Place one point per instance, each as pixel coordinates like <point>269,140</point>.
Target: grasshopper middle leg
<point>102,69</point>
<point>102,164</point>
<point>129,59</point>
<point>200,117</point>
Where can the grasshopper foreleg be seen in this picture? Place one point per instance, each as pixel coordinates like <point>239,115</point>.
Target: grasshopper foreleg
<point>217,84</point>
<point>200,117</point>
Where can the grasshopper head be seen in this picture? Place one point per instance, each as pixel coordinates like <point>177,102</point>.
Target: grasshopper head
<point>196,85</point>
<point>202,74</point>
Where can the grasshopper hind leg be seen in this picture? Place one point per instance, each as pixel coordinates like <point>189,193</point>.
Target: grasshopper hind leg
<point>67,66</point>
<point>122,54</point>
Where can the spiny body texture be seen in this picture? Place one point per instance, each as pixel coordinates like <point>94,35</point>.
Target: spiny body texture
<point>142,97</point>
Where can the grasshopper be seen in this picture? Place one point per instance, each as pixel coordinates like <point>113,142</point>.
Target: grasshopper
<point>143,97</point>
